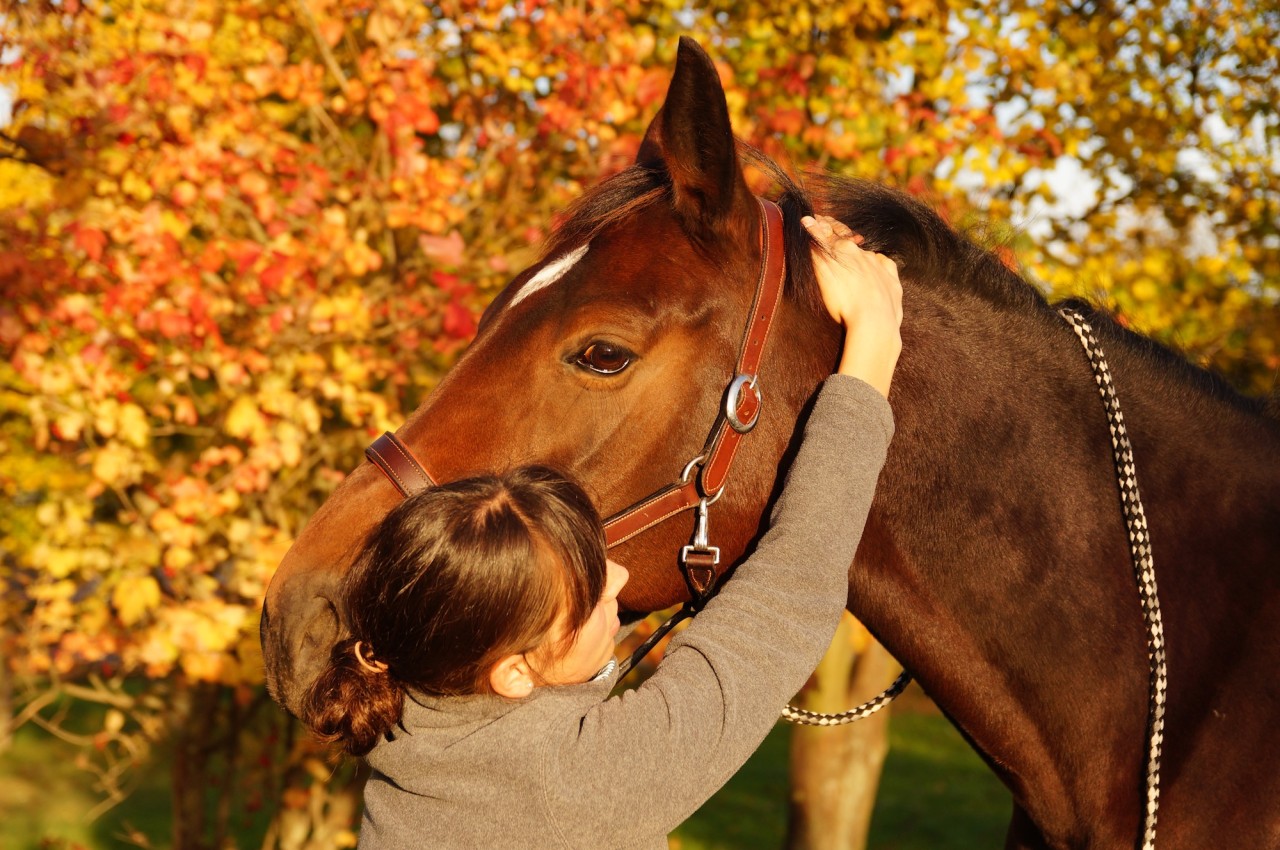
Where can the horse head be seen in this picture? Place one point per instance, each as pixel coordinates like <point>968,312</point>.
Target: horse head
<point>607,359</point>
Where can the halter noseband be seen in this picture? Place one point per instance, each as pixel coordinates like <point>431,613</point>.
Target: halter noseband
<point>738,416</point>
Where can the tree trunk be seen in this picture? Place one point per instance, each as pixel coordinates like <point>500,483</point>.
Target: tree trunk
<point>6,708</point>
<point>195,713</point>
<point>835,770</point>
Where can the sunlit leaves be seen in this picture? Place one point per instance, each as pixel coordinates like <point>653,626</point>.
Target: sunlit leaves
<point>201,255</point>
<point>243,237</point>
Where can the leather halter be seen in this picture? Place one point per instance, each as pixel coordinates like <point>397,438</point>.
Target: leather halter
<point>738,415</point>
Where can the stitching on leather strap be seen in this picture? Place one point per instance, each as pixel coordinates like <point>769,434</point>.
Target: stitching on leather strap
<point>650,525</point>
<point>386,468</point>
<point>397,466</point>
<point>687,493</point>
<point>411,460</point>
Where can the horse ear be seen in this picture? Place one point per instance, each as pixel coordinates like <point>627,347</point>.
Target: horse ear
<point>691,139</point>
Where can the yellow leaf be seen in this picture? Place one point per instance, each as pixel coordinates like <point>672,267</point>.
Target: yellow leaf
<point>110,463</point>
<point>178,558</point>
<point>1145,289</point>
<point>70,424</point>
<point>47,513</point>
<point>60,563</point>
<point>106,417</point>
<point>134,597</point>
<point>290,437</point>
<point>164,520</point>
<point>243,418</point>
<point>133,426</point>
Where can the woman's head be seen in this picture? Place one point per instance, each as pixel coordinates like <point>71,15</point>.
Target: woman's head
<point>462,589</point>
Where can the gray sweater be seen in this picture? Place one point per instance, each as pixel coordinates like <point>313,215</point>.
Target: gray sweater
<point>571,766</point>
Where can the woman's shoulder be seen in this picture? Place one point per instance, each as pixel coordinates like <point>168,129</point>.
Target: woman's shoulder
<point>443,741</point>
<point>442,718</point>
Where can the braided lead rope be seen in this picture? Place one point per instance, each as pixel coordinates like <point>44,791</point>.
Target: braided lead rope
<point>804,717</point>
<point>1143,566</point>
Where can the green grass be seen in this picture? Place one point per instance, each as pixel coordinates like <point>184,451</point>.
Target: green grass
<point>45,796</point>
<point>935,794</point>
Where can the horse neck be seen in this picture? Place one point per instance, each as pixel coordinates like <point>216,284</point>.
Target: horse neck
<point>995,563</point>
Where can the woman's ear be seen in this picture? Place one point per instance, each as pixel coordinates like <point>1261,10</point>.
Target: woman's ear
<point>512,677</point>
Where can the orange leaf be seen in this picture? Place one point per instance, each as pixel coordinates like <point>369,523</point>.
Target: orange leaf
<point>92,241</point>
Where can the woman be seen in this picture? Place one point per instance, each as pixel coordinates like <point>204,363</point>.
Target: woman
<point>483,613</point>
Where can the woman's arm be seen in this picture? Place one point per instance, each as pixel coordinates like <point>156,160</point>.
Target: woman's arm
<point>678,737</point>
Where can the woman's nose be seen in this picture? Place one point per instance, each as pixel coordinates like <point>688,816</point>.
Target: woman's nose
<point>616,578</point>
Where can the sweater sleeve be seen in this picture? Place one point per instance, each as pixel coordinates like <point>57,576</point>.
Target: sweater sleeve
<point>673,741</point>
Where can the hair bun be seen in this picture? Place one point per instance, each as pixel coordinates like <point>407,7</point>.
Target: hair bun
<point>349,706</point>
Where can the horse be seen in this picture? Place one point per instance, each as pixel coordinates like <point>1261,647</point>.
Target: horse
<point>994,565</point>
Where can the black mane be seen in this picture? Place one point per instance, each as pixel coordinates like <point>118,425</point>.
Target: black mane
<point>1174,369</point>
<point>928,251</point>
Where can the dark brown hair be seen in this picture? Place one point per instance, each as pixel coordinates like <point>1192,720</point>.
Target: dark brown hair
<point>454,579</point>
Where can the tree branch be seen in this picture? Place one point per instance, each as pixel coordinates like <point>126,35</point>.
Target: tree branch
<point>28,157</point>
<point>329,61</point>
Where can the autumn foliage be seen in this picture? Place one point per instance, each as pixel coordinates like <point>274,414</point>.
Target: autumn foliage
<point>238,238</point>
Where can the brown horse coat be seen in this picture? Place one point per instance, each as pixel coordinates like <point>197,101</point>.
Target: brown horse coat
<point>995,562</point>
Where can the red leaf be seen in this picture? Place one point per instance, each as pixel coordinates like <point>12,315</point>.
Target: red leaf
<point>172,324</point>
<point>92,241</point>
<point>459,322</point>
<point>273,275</point>
<point>244,254</point>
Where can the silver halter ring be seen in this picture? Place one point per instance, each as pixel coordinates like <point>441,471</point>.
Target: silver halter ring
<point>688,472</point>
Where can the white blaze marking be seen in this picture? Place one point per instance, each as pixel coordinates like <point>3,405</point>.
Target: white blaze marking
<point>549,274</point>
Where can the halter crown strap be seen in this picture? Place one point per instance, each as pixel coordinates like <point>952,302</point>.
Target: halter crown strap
<point>742,408</point>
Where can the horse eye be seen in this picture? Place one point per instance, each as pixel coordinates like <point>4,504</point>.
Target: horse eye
<point>604,358</point>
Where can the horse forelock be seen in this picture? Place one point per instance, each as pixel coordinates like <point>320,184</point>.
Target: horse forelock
<point>629,192</point>
<point>611,202</point>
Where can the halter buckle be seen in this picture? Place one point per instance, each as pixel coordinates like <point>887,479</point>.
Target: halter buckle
<point>734,396</point>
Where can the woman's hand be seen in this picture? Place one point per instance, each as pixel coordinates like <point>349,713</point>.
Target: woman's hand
<point>861,291</point>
